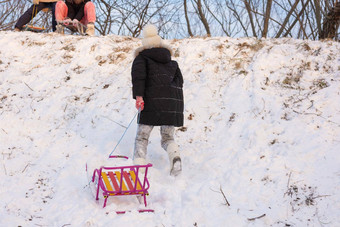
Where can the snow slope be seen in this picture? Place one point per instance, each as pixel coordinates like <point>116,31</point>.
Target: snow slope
<point>262,131</point>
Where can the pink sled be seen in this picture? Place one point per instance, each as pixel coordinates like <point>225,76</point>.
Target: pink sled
<point>122,181</point>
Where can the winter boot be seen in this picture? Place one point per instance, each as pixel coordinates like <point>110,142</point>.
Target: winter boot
<point>90,29</point>
<point>175,159</point>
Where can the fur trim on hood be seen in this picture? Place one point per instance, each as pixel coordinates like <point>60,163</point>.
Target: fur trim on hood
<point>162,45</point>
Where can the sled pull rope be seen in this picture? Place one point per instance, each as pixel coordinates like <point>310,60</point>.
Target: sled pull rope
<point>126,130</point>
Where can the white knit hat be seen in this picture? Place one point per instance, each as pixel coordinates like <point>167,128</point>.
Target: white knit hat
<point>151,38</point>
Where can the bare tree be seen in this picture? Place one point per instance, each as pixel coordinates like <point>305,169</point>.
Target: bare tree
<point>197,4</point>
<point>187,18</point>
<point>306,19</point>
<point>202,17</point>
<point>247,5</point>
<point>283,27</point>
<point>106,16</point>
<point>266,18</point>
<point>238,14</point>
<point>317,10</point>
<point>331,23</point>
<point>217,12</point>
<point>128,17</point>
<point>10,11</point>
<point>168,18</point>
<point>289,29</point>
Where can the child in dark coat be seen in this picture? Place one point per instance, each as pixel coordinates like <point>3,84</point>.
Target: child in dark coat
<point>157,85</point>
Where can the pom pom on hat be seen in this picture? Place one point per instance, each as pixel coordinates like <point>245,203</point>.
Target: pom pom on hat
<point>151,37</point>
<point>149,31</point>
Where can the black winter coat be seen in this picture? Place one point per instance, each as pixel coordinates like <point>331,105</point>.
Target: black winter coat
<point>75,11</point>
<point>159,81</point>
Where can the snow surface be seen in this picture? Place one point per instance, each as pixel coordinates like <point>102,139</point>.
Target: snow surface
<point>262,131</point>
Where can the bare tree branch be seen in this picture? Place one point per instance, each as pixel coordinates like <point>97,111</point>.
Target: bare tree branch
<point>283,26</point>
<point>296,19</point>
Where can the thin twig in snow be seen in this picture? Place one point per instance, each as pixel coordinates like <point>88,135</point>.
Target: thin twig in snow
<point>28,86</point>
<point>5,169</point>
<point>227,203</point>
<point>319,196</point>
<point>312,103</point>
<point>290,174</point>
<point>319,115</point>
<point>330,121</point>
<point>237,52</point>
<point>4,131</point>
<point>225,198</point>
<point>31,106</point>
<point>304,113</point>
<point>253,219</point>
<point>25,167</point>
<point>288,183</point>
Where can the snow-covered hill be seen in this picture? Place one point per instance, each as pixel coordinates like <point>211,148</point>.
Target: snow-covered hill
<point>262,131</point>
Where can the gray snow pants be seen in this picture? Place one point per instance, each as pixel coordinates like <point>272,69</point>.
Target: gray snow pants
<point>142,138</point>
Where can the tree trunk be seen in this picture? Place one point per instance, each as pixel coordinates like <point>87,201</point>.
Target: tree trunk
<point>248,8</point>
<point>331,23</point>
<point>318,15</point>
<point>266,19</point>
<point>203,18</point>
<point>187,18</point>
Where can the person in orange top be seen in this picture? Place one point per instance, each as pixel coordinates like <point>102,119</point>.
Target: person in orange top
<point>82,11</point>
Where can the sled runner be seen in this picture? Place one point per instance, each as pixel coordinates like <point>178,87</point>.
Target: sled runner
<point>32,28</point>
<point>122,181</point>
<point>72,27</point>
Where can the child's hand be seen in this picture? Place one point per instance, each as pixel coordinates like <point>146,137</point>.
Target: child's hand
<point>139,103</point>
<point>67,21</point>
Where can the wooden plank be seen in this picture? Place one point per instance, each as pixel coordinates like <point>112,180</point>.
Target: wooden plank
<point>128,180</point>
<point>119,179</point>
<point>106,181</point>
<point>133,176</point>
<point>114,181</point>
